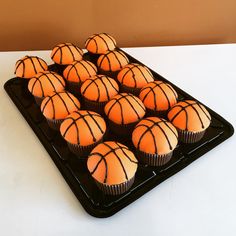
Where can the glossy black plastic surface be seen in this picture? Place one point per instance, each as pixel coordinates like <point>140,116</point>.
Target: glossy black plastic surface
<point>75,171</point>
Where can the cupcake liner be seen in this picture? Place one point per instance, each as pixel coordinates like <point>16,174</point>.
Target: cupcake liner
<point>162,114</point>
<point>59,68</point>
<point>122,130</point>
<point>55,124</point>
<point>153,159</point>
<point>190,137</point>
<point>73,87</point>
<point>94,106</point>
<point>112,74</point>
<point>126,89</point>
<point>82,151</point>
<point>91,57</point>
<point>115,189</point>
<point>38,100</point>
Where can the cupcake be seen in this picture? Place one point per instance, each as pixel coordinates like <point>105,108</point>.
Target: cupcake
<point>29,66</point>
<point>158,97</point>
<point>99,44</point>
<point>154,139</point>
<point>124,111</point>
<point>113,167</point>
<point>57,107</point>
<point>83,130</point>
<point>133,77</point>
<point>44,84</point>
<point>97,91</point>
<point>77,72</point>
<point>191,120</point>
<point>64,54</point>
<point>112,62</point>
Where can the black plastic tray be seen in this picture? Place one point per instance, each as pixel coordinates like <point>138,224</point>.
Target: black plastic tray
<point>75,171</point>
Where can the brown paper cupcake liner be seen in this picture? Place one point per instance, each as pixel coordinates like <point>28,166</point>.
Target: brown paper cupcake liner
<point>91,57</point>
<point>112,74</point>
<point>82,151</point>
<point>115,189</point>
<point>73,87</point>
<point>38,100</point>
<point>59,68</point>
<point>94,106</point>
<point>134,91</point>
<point>55,124</point>
<point>122,130</point>
<point>153,159</point>
<point>190,137</point>
<point>162,114</point>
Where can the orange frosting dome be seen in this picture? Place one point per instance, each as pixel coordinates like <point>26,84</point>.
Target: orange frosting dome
<point>112,61</point>
<point>124,108</point>
<point>155,136</point>
<point>66,53</point>
<point>45,83</point>
<point>112,163</point>
<point>59,105</point>
<point>135,76</point>
<point>158,96</point>
<point>29,66</point>
<point>99,88</point>
<point>189,115</point>
<point>100,43</point>
<point>83,128</point>
<point>79,71</point>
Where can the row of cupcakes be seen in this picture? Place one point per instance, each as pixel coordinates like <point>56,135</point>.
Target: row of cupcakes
<point>157,96</point>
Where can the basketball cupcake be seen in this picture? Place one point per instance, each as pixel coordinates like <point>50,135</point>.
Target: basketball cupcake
<point>97,91</point>
<point>113,167</point>
<point>64,54</point>
<point>154,139</point>
<point>158,97</point>
<point>83,130</point>
<point>44,84</point>
<point>98,44</point>
<point>191,120</point>
<point>124,111</point>
<point>58,106</point>
<point>77,72</point>
<point>29,66</point>
<point>112,62</point>
<point>133,77</point>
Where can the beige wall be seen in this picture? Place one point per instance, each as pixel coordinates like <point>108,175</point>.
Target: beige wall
<point>27,24</point>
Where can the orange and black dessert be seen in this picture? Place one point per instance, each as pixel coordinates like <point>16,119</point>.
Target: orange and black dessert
<point>58,106</point>
<point>77,72</point>
<point>97,91</point>
<point>154,139</point>
<point>112,62</point>
<point>98,44</point>
<point>112,166</point>
<point>191,120</point>
<point>158,97</point>
<point>83,130</point>
<point>133,77</point>
<point>44,84</point>
<point>29,66</point>
<point>124,111</point>
<point>64,54</point>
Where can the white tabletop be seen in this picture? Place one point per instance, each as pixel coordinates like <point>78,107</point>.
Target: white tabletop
<point>199,200</point>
